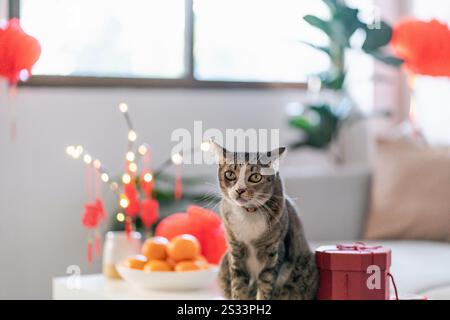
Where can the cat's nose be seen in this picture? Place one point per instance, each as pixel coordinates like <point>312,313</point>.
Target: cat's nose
<point>240,191</point>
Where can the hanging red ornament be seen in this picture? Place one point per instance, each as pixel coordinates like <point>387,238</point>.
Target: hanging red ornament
<point>146,183</point>
<point>93,214</point>
<point>132,196</point>
<point>149,212</point>
<point>18,52</point>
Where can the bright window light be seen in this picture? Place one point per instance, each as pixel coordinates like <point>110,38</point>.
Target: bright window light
<point>256,40</point>
<point>108,38</point>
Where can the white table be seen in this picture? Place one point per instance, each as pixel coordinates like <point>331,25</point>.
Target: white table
<point>96,286</point>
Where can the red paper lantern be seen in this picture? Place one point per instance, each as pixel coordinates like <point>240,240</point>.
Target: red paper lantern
<point>424,46</point>
<point>18,51</point>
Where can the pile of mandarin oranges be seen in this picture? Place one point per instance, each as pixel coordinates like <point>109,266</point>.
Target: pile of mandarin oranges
<point>182,253</point>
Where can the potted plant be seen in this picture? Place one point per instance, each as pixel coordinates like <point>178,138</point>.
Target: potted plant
<point>320,121</point>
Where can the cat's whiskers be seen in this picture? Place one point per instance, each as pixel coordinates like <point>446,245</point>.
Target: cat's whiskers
<point>211,200</point>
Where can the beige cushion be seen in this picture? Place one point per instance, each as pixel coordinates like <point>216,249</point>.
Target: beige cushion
<point>410,197</point>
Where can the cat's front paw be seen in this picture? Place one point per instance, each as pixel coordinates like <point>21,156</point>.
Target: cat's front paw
<point>238,296</point>
<point>263,295</point>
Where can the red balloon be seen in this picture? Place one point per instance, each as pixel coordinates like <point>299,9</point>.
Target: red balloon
<point>18,51</point>
<point>203,224</point>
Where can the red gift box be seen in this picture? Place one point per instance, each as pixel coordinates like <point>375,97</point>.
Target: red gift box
<point>353,272</point>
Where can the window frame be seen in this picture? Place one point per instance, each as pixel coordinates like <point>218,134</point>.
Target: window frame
<point>187,81</point>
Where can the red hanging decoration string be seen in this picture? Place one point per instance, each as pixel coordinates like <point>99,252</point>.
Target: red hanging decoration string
<point>147,160</point>
<point>178,182</point>
<point>13,121</point>
<point>101,212</point>
<point>98,186</point>
<point>128,227</point>
<point>94,212</point>
<point>98,244</point>
<point>146,179</point>
<point>89,251</point>
<point>88,181</point>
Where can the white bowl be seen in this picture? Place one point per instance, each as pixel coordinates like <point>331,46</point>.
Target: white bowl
<point>168,280</point>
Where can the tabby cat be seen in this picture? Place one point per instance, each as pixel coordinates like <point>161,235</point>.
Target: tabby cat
<point>268,256</point>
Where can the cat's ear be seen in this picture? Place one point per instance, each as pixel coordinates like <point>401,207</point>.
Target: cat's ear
<point>273,160</point>
<point>219,151</point>
<point>277,154</point>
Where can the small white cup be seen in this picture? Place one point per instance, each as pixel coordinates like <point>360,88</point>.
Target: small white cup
<point>118,248</point>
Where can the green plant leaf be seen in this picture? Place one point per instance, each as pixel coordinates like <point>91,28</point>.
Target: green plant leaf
<point>332,4</point>
<point>334,82</point>
<point>318,23</point>
<point>377,38</point>
<point>345,22</point>
<point>301,122</point>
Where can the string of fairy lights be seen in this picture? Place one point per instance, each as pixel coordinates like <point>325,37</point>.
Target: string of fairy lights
<point>133,156</point>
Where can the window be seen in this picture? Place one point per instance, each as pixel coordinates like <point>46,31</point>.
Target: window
<point>255,40</point>
<point>108,38</point>
<point>172,42</point>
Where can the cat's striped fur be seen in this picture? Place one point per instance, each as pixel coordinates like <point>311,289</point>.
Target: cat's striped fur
<point>268,256</point>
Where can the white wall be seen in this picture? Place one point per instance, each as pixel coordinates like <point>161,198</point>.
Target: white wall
<point>42,189</point>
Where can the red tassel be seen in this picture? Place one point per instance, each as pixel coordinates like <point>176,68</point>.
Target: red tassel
<point>13,120</point>
<point>89,251</point>
<point>98,245</point>
<point>178,183</point>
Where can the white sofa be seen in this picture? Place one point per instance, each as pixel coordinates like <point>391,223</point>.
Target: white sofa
<point>333,205</point>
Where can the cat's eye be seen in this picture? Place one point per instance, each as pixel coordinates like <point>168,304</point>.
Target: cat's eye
<point>255,178</point>
<point>230,175</point>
